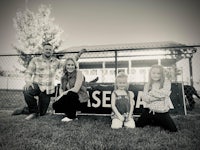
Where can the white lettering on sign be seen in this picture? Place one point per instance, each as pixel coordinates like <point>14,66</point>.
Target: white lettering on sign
<point>140,101</point>
<point>106,98</point>
<point>89,103</point>
<point>98,101</point>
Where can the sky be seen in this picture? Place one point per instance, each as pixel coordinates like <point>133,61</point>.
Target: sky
<point>97,22</point>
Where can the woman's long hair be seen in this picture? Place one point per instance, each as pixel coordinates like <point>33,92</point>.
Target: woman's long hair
<point>162,77</point>
<point>64,66</point>
<point>66,75</point>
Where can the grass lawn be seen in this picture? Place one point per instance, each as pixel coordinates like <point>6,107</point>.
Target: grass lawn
<point>89,132</point>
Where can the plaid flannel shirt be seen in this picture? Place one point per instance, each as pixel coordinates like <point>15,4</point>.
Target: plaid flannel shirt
<point>42,71</point>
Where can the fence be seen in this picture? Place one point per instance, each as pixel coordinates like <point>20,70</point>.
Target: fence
<point>103,65</point>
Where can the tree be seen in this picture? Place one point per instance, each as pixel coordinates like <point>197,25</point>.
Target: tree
<point>32,29</point>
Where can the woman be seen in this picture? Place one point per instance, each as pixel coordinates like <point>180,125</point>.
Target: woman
<point>73,91</point>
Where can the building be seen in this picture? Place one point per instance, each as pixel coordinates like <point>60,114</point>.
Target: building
<point>105,61</point>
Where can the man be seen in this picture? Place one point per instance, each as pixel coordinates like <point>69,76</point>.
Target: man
<point>39,78</point>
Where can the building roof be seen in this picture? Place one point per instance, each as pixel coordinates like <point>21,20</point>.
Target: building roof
<point>129,46</point>
<point>172,50</point>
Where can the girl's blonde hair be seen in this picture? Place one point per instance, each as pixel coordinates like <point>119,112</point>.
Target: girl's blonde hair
<point>66,75</point>
<point>120,76</point>
<point>162,77</point>
<point>64,65</point>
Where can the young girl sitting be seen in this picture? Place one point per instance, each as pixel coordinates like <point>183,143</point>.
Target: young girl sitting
<point>121,104</point>
<point>157,96</point>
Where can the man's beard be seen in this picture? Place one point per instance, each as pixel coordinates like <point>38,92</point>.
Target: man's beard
<point>47,56</point>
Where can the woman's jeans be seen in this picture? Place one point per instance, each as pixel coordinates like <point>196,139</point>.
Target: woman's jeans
<point>67,104</point>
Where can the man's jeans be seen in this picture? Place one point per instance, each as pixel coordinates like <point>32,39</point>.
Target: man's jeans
<point>39,107</point>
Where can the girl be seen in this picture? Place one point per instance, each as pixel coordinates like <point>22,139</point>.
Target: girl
<point>121,104</point>
<point>73,91</point>
<point>157,96</point>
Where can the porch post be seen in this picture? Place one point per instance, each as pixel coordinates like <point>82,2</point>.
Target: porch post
<point>191,73</point>
<point>116,64</point>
